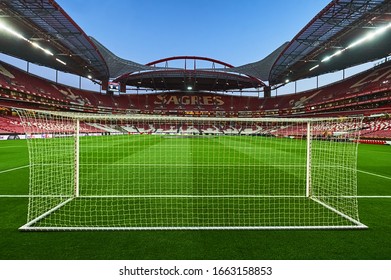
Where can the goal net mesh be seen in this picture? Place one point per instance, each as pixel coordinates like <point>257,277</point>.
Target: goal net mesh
<point>158,172</point>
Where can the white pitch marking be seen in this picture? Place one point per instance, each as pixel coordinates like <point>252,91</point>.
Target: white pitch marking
<point>12,169</point>
<point>374,174</point>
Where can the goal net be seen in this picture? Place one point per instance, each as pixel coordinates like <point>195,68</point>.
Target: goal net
<point>117,172</point>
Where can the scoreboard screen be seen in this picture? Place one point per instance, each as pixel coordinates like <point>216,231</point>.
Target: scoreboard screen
<point>113,87</point>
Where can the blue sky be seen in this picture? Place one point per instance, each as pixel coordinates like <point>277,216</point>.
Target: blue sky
<point>236,32</point>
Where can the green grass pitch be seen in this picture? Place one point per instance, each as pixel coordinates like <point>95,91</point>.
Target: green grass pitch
<point>374,206</point>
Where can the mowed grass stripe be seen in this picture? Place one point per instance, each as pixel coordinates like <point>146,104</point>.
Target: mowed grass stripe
<point>375,159</point>
<point>154,164</point>
<point>15,182</point>
<point>13,154</point>
<point>130,176</point>
<point>273,178</point>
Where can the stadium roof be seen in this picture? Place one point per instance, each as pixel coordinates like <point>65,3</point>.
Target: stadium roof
<point>322,46</point>
<point>151,76</point>
<point>334,29</point>
<point>58,42</point>
<point>118,66</point>
<point>262,68</point>
<point>190,77</point>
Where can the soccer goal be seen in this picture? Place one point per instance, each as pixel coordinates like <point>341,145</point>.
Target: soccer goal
<point>140,172</point>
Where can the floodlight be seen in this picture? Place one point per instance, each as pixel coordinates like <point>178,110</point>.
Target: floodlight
<point>356,43</point>
<point>316,66</point>
<point>62,62</point>
<point>370,36</point>
<point>334,54</point>
<point>338,52</point>
<point>13,32</point>
<point>48,52</point>
<point>382,29</point>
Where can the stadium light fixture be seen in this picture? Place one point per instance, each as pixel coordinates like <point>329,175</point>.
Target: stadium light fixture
<point>360,41</point>
<point>16,34</point>
<point>339,52</point>
<point>20,36</point>
<point>382,29</point>
<point>189,88</point>
<point>62,62</point>
<point>316,66</point>
<point>48,52</point>
<point>11,31</point>
<point>39,47</point>
<point>334,54</point>
<point>369,36</point>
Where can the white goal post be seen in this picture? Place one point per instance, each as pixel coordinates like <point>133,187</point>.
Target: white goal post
<point>140,172</point>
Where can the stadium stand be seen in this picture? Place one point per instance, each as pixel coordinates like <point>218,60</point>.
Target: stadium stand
<point>12,124</point>
<point>378,129</point>
<point>374,128</point>
<point>365,93</point>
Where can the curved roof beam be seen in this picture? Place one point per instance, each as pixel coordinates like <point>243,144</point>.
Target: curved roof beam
<point>190,57</point>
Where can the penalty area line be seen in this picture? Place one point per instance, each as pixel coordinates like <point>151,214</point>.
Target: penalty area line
<point>373,196</point>
<point>13,169</point>
<point>14,196</point>
<point>374,174</point>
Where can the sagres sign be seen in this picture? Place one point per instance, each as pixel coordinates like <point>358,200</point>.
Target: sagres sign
<point>163,99</point>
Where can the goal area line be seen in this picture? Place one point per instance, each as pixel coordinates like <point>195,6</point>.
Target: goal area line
<point>184,196</point>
